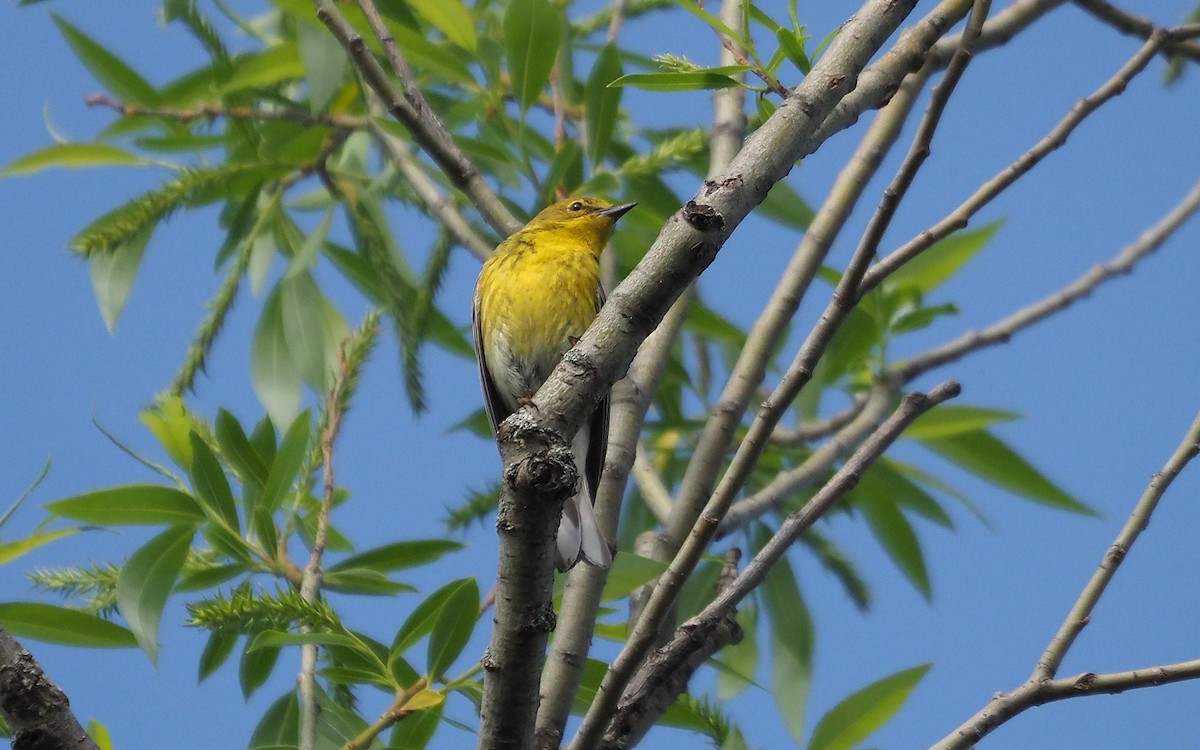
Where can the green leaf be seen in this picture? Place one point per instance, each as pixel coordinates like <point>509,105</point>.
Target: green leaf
<point>416,730</point>
<point>216,652</point>
<point>364,581</point>
<point>324,63</point>
<point>171,424</point>
<point>116,76</point>
<point>988,458</point>
<point>602,104</point>
<point>238,451</point>
<point>273,370</point>
<point>792,45</point>
<point>628,574</point>
<point>740,660</point>
<point>277,64</point>
<point>398,555</point>
<point>287,462</point>
<point>791,646</point>
<point>73,155</point>
<point>146,581</point>
<point>10,551</point>
<point>113,274</point>
<point>131,505</point>
<point>945,258</point>
<point>255,667</point>
<point>280,725</point>
<point>898,539</point>
<point>211,485</point>
<point>532,33</point>
<point>451,18</point>
<point>271,638</point>
<point>717,24</point>
<point>68,627</point>
<point>302,313</point>
<point>421,621</point>
<point>861,714</point>
<point>695,80</point>
<point>946,421</point>
<point>785,206</point>
<point>455,623</point>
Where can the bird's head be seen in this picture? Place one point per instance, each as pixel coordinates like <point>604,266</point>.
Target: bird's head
<point>583,214</point>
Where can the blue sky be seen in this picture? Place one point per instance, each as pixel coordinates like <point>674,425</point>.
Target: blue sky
<point>1106,390</point>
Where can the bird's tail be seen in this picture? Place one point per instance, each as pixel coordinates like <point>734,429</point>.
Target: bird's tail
<point>579,537</point>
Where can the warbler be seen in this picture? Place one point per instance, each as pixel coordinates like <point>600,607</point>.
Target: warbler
<point>536,295</point>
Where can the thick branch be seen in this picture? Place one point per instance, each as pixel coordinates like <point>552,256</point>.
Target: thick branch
<point>1041,687</point>
<point>37,711</point>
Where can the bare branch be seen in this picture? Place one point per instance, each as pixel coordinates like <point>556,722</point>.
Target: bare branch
<point>411,109</point>
<point>959,217</point>
<point>37,711</point>
<point>786,484</point>
<point>1041,687</point>
<point>650,483</point>
<point>1004,330</point>
<point>999,29</point>
<point>1127,23</point>
<point>439,205</point>
<point>807,432</point>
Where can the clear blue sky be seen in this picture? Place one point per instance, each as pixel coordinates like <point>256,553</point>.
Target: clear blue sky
<point>1107,390</point>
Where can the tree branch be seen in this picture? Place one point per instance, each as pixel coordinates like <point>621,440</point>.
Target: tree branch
<point>411,109</point>
<point>1004,330</point>
<point>314,573</point>
<point>37,711</point>
<point>670,662</point>
<point>959,217</point>
<point>1041,687</point>
<point>631,399</point>
<point>1127,23</point>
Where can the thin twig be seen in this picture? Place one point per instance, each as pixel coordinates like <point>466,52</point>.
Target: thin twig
<point>787,483</point>
<point>650,483</point>
<point>1041,687</point>
<point>398,711</point>
<point>894,193</point>
<point>1127,23</point>
<point>314,573</point>
<point>618,18</point>
<point>1004,330</point>
<point>218,111</point>
<point>1000,28</point>
<point>959,217</point>
<point>426,190</point>
<point>410,108</point>
<point>806,432</point>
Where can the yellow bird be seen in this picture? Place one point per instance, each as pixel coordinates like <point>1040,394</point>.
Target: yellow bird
<point>535,297</point>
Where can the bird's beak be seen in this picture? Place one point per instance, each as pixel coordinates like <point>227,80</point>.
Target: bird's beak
<point>616,212</point>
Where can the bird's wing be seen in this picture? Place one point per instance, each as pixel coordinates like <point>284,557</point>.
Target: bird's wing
<point>497,412</point>
<point>597,428</point>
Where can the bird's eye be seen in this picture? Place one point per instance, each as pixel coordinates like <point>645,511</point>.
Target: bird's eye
<point>576,206</point>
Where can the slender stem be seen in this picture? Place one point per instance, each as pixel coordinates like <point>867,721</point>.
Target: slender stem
<point>411,109</point>
<point>394,713</point>
<point>314,574</point>
<point>958,218</point>
<point>1041,687</point>
<point>214,111</point>
<point>786,484</point>
<point>1127,23</point>
<point>1004,330</point>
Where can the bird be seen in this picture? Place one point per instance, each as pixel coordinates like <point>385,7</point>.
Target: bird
<point>535,296</point>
